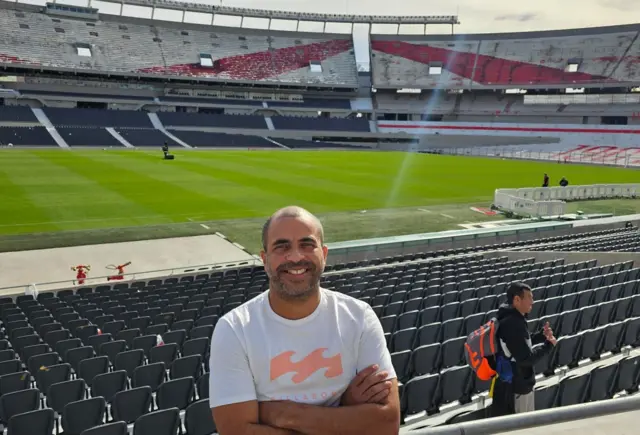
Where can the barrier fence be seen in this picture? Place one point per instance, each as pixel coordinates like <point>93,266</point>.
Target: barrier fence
<point>551,201</point>
<point>628,158</point>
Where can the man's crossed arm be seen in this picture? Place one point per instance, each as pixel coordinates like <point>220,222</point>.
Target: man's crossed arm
<point>370,406</point>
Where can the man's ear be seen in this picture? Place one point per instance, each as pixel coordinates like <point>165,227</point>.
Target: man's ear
<point>325,251</point>
<point>263,256</point>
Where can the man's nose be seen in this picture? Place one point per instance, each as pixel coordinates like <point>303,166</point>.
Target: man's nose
<point>294,255</point>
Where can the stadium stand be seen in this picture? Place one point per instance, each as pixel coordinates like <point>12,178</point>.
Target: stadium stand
<point>134,355</point>
<point>17,114</point>
<point>26,136</point>
<point>181,119</point>
<point>599,154</point>
<point>221,140</point>
<point>428,309</point>
<point>319,123</point>
<point>146,137</point>
<point>511,246</point>
<point>88,137</point>
<point>109,96</point>
<point>203,100</point>
<point>313,103</point>
<point>31,38</point>
<point>302,144</point>
<point>97,118</point>
<point>96,348</point>
<point>602,55</point>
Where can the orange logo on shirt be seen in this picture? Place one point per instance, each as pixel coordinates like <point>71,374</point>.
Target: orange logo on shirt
<point>282,364</point>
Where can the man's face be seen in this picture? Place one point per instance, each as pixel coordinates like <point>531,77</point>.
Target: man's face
<point>524,304</point>
<point>294,258</point>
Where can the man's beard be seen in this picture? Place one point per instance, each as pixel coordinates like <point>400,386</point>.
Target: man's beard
<point>301,291</point>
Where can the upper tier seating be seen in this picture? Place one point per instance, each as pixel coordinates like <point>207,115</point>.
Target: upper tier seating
<point>17,114</point>
<point>248,55</point>
<point>182,119</point>
<point>609,56</point>
<point>97,117</point>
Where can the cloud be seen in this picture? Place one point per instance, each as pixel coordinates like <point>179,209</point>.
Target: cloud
<point>524,17</point>
<point>621,5</point>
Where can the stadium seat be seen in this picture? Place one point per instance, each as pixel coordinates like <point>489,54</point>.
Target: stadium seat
<point>131,404</point>
<point>163,422</point>
<point>82,415</point>
<point>36,422</point>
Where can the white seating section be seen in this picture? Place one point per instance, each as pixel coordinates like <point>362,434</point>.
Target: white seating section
<point>246,54</point>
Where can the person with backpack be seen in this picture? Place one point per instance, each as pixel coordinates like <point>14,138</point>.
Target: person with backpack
<point>502,351</point>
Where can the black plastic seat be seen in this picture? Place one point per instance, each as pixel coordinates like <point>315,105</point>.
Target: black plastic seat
<point>426,359</point>
<point>129,405</point>
<point>37,422</point>
<point>115,428</point>
<point>198,419</point>
<point>109,384</point>
<point>14,382</point>
<point>573,390</point>
<point>186,366</point>
<point>46,376</point>
<point>82,415</point>
<point>163,422</point>
<point>202,386</point>
<point>420,394</point>
<point>129,361</point>
<point>151,375</point>
<point>602,383</point>
<point>454,385</point>
<point>17,403</point>
<point>196,346</point>
<point>60,394</point>
<point>112,349</point>
<point>165,354</point>
<point>89,368</point>
<point>176,393</point>
<point>77,355</point>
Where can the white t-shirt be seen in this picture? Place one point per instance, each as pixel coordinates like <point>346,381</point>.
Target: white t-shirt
<point>258,355</point>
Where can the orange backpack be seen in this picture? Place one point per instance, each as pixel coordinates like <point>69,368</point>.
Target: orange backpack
<point>480,344</point>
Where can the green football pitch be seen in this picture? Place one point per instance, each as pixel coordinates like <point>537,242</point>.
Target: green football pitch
<point>62,198</point>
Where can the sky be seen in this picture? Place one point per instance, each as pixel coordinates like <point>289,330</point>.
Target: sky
<point>476,16</point>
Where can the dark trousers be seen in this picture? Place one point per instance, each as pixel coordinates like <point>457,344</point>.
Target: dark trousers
<point>503,400</point>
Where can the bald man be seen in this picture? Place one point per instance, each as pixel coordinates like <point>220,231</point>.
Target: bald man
<point>300,359</point>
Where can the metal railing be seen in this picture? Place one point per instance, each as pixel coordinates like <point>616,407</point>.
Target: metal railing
<point>521,422</point>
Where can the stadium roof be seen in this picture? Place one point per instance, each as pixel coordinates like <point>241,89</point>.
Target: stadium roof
<point>296,16</point>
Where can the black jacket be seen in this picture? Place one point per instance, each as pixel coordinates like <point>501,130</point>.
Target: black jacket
<point>513,332</point>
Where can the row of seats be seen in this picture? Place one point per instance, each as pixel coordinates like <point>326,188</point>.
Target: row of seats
<point>149,137</point>
<point>22,114</point>
<point>428,393</point>
<point>87,417</point>
<point>516,245</point>
<point>629,242</point>
<point>68,350</point>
